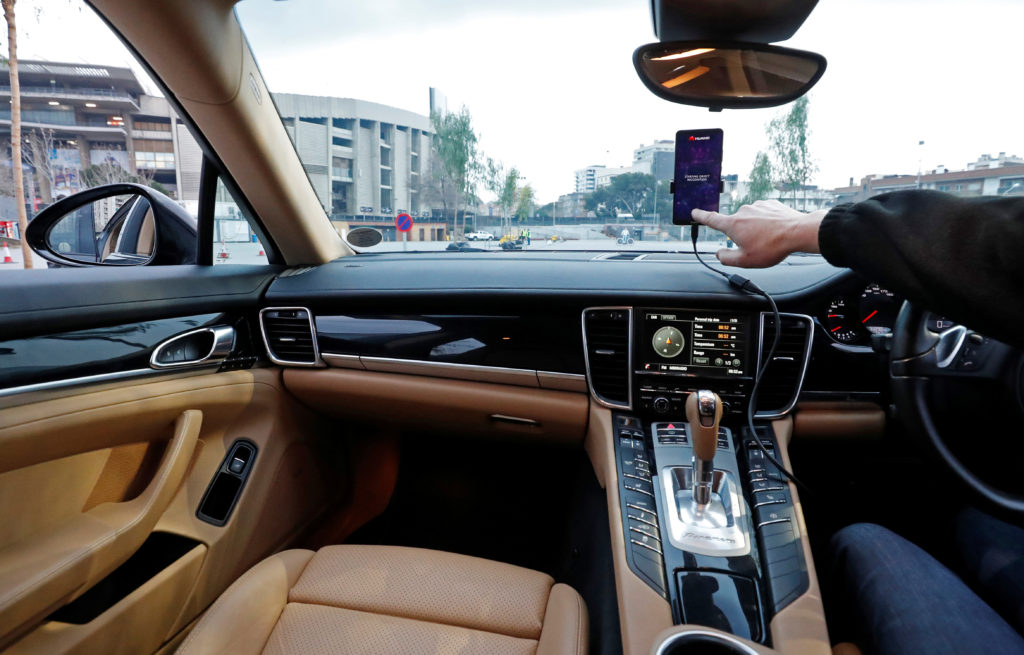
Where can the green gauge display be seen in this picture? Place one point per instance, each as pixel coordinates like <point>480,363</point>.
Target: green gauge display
<point>669,342</point>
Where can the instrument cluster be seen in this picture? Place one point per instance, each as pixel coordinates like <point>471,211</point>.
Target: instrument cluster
<point>852,318</point>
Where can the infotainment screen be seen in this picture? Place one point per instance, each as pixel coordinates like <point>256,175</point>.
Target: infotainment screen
<point>695,344</point>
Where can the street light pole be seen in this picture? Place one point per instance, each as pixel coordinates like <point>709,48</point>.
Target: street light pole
<point>920,157</point>
<point>657,216</point>
<point>1012,187</point>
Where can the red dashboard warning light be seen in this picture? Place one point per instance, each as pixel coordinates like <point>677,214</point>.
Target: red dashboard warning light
<point>671,426</point>
<point>693,138</point>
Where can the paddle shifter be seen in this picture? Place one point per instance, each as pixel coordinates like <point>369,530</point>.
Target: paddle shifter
<point>703,413</point>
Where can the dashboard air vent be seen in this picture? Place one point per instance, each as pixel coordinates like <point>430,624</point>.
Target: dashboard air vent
<point>606,338</point>
<point>289,336</point>
<point>784,376</point>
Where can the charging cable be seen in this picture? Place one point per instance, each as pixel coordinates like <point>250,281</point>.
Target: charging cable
<point>748,286</point>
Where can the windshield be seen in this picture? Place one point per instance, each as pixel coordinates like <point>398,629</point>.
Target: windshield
<point>479,124</point>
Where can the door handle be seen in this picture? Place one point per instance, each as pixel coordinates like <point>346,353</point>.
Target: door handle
<point>202,347</point>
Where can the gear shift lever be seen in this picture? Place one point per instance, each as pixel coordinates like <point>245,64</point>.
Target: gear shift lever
<point>703,413</point>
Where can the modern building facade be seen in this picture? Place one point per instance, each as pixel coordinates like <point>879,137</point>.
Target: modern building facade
<point>988,176</point>
<point>605,176</point>
<point>365,160</point>
<point>586,178</point>
<point>86,120</point>
<point>657,159</point>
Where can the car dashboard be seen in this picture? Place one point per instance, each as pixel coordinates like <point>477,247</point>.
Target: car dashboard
<point>639,337</point>
<point>564,348</point>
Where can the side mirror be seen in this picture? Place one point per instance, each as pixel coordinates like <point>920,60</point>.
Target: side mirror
<point>363,237</point>
<point>114,225</point>
<point>727,75</point>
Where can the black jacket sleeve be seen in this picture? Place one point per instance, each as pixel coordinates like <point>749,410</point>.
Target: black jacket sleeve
<point>960,257</point>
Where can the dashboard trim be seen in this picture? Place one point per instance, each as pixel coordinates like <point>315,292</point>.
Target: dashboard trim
<point>629,358</point>
<point>521,377</point>
<point>562,381</point>
<point>474,372</point>
<point>83,380</point>
<point>808,348</point>
<point>336,360</point>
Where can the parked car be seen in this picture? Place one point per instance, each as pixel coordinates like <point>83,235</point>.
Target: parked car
<point>479,236</point>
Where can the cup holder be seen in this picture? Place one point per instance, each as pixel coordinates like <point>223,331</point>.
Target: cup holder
<point>700,642</point>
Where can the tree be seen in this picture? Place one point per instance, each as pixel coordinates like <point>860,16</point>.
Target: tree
<point>435,188</point>
<point>789,134</point>
<point>760,180</point>
<point>110,172</point>
<point>631,193</point>
<point>524,204</point>
<point>39,145</point>
<point>19,176</point>
<point>455,146</point>
<point>504,184</point>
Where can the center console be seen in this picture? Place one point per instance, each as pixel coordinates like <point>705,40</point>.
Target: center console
<point>708,521</point>
<point>732,565</point>
<point>678,350</point>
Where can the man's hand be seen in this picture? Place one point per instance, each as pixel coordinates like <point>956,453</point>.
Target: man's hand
<point>765,233</point>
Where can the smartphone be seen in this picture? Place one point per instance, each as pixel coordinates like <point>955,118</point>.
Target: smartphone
<point>698,173</point>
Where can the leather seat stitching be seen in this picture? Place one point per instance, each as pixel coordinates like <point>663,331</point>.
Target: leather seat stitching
<point>287,593</point>
<point>409,618</point>
<point>196,630</point>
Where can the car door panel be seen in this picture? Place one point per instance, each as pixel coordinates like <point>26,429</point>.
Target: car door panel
<point>75,461</point>
<point>55,360</point>
<point>39,573</point>
<point>62,300</point>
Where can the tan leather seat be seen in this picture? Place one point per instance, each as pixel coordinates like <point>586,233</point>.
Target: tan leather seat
<point>385,599</point>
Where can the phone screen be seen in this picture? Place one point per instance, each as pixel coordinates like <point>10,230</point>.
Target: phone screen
<point>698,174</point>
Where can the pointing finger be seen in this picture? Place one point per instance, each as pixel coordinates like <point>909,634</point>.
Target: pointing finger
<point>714,220</point>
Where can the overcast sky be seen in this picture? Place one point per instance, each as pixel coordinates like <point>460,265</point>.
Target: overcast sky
<point>551,85</point>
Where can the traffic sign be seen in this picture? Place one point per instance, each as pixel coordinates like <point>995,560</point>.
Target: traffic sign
<point>403,222</point>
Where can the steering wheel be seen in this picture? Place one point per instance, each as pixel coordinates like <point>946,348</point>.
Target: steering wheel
<point>928,352</point>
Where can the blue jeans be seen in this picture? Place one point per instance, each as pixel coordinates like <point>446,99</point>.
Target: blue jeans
<point>898,599</point>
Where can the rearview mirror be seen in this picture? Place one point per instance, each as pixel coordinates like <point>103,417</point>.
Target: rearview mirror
<point>727,75</point>
<point>114,225</point>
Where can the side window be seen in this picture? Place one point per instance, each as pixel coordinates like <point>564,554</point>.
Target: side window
<point>86,125</point>
<point>234,241</point>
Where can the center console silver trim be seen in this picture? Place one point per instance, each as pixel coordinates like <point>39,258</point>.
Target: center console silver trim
<point>719,528</point>
<point>671,639</point>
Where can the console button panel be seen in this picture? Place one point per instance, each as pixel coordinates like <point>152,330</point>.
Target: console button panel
<point>641,529</point>
<point>775,523</point>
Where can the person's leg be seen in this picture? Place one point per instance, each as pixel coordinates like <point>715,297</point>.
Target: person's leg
<point>902,601</point>
<point>993,558</point>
